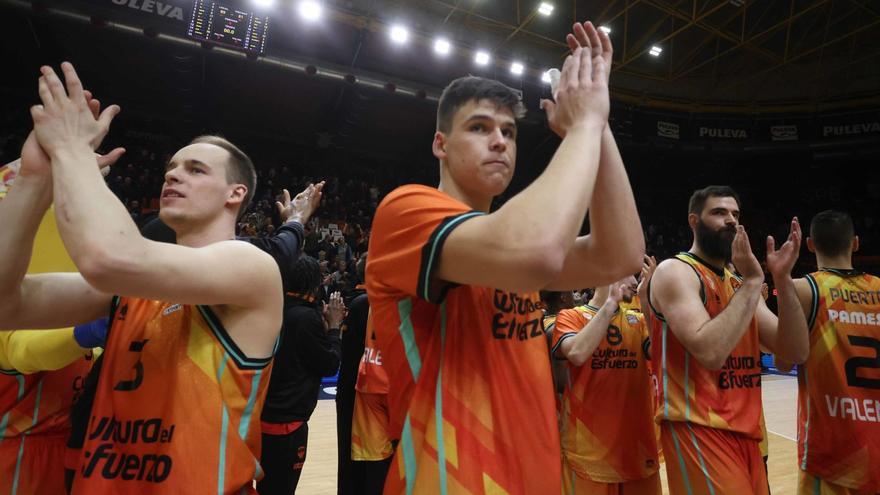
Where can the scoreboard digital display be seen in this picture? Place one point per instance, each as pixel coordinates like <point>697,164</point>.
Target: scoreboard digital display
<point>228,25</point>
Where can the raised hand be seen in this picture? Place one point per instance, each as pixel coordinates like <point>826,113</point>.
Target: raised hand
<point>334,312</point>
<point>781,261</point>
<point>743,258</point>
<point>649,264</point>
<point>615,293</point>
<point>303,205</point>
<point>66,120</point>
<point>35,161</point>
<point>582,94</point>
<point>600,44</point>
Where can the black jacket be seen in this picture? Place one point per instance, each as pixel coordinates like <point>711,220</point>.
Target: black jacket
<point>352,348</point>
<point>285,246</point>
<point>307,352</point>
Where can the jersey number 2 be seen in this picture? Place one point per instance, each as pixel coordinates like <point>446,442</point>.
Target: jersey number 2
<point>853,364</point>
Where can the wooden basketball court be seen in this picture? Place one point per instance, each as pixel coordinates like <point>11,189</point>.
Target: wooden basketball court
<point>780,410</point>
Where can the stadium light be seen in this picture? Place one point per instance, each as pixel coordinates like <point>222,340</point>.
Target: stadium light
<point>516,68</point>
<point>605,29</point>
<point>481,58</point>
<point>545,8</point>
<point>399,34</point>
<point>310,10</point>
<point>655,51</point>
<point>264,3</point>
<point>545,77</point>
<point>442,47</point>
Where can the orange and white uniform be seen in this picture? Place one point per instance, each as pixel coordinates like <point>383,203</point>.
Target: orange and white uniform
<point>613,448</point>
<point>710,420</point>
<point>839,386</point>
<point>370,438</point>
<point>470,388</point>
<point>41,375</point>
<point>177,408</point>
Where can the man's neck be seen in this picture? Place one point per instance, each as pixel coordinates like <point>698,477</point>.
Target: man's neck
<point>834,262</point>
<point>715,262</point>
<point>448,186</point>
<point>599,297</point>
<point>204,235</point>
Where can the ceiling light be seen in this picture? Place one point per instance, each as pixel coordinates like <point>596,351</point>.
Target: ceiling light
<point>516,68</point>
<point>481,58</point>
<point>399,34</point>
<point>264,3</point>
<point>545,8</point>
<point>605,29</point>
<point>545,77</point>
<point>310,10</point>
<point>442,47</point>
<point>655,51</point>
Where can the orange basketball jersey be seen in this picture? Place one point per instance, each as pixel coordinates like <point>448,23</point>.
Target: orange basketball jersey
<point>839,385</point>
<point>369,430</point>
<point>34,407</point>
<point>372,378</point>
<point>727,399</point>
<point>616,442</point>
<point>471,394</point>
<point>177,407</point>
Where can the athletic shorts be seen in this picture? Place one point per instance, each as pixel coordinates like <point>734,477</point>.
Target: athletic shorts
<point>33,464</point>
<point>709,461</point>
<point>573,484</point>
<point>813,485</point>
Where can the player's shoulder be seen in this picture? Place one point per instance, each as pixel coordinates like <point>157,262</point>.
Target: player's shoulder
<point>413,193</point>
<point>245,254</point>
<point>673,270</point>
<point>577,312</point>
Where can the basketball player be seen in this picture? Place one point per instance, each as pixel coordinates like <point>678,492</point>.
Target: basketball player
<point>554,302</point>
<point>707,326</point>
<point>610,449</point>
<point>41,372</point>
<point>371,442</point>
<point>454,287</point>
<point>839,384</point>
<point>203,315</point>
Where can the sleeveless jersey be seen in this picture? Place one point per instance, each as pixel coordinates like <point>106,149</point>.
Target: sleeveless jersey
<point>372,378</point>
<point>727,399</point>
<point>177,408</point>
<point>839,384</point>
<point>617,442</point>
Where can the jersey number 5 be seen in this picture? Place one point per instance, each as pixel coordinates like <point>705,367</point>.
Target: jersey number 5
<point>853,364</point>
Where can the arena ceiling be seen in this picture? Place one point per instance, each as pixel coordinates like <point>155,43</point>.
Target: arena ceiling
<point>739,52</point>
<point>758,57</point>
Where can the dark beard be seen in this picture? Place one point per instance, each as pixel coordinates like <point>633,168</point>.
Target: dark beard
<point>715,244</point>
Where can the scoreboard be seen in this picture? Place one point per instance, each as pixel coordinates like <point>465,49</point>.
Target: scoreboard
<point>226,24</point>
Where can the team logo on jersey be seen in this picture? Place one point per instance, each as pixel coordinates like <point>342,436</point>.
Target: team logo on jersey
<point>171,309</point>
<point>632,319</point>
<point>516,317</point>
